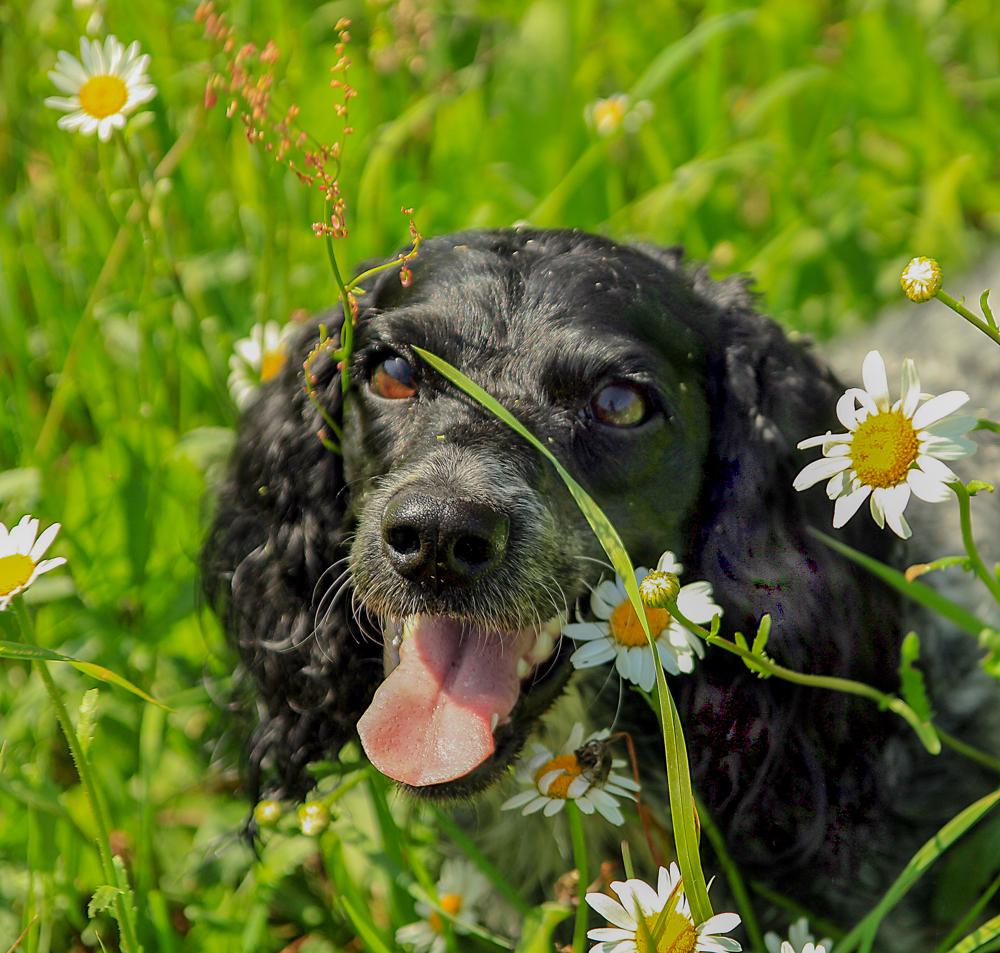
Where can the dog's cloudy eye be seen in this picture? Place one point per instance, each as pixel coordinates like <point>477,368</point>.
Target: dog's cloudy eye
<point>620,405</point>
<point>393,379</point>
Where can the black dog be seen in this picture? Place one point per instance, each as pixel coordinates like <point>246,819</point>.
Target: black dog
<point>678,407</point>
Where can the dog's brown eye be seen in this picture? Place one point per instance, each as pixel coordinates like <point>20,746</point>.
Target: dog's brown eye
<point>620,405</point>
<point>393,379</point>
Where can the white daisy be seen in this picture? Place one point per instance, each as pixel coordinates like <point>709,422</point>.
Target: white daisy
<point>581,772</point>
<point>618,635</point>
<point>104,86</point>
<point>800,940</point>
<point>460,889</point>
<point>258,358</point>
<point>21,554</point>
<point>673,932</point>
<point>921,279</point>
<point>616,112</point>
<point>889,451</point>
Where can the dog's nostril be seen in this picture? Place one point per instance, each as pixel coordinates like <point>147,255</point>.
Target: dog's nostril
<point>473,550</point>
<point>405,540</point>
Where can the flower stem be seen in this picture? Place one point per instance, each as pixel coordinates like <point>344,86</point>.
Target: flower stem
<point>965,516</point>
<point>761,662</point>
<point>580,858</point>
<point>347,332</point>
<point>973,319</point>
<point>124,908</point>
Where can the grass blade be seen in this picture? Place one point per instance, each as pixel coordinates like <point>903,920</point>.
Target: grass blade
<point>864,933</point>
<point>30,652</point>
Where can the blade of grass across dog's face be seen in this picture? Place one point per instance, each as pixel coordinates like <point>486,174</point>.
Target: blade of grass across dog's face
<point>678,770</point>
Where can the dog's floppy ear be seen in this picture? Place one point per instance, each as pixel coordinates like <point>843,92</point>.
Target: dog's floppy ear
<point>273,568</point>
<point>767,393</point>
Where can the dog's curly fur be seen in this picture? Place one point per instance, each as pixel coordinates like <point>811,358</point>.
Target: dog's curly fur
<point>818,793</point>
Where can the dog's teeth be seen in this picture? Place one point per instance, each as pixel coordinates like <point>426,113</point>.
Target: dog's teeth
<point>542,647</point>
<point>522,668</point>
<point>493,722</point>
<point>553,627</point>
<point>409,626</point>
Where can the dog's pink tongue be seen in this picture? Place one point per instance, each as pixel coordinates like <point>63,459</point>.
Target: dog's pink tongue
<point>430,720</point>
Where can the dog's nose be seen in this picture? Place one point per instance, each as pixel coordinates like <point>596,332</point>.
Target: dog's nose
<point>443,542</point>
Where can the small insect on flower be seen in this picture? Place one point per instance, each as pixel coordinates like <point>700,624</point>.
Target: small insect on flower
<point>921,279</point>
<point>105,85</point>
<point>460,890</point>
<point>21,554</point>
<point>619,635</point>
<point>889,451</point>
<point>667,916</point>
<point>581,772</point>
<point>258,358</point>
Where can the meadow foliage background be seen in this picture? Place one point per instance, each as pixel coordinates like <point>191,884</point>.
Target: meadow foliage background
<point>818,145</point>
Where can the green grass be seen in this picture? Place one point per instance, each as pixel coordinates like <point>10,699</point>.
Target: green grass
<point>818,145</point>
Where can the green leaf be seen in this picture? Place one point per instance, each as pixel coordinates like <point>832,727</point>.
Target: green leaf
<point>978,486</point>
<point>912,679</point>
<point>536,931</point>
<point>763,631</point>
<point>31,652</point>
<point>104,898</point>
<point>88,718</point>
<point>864,932</point>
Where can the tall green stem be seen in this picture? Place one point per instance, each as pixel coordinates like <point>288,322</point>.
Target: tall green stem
<point>965,516</point>
<point>125,922</point>
<point>580,858</point>
<point>962,310</point>
<point>347,332</point>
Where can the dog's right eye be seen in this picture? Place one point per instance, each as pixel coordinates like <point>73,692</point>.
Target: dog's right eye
<point>393,379</point>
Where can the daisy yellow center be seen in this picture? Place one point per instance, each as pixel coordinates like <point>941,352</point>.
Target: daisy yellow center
<point>103,96</point>
<point>677,934</point>
<point>15,571</point>
<point>626,629</point>
<point>273,360</point>
<point>451,903</point>
<point>883,448</point>
<point>570,767</point>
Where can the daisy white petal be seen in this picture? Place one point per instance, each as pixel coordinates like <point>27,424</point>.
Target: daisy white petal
<point>935,468</point>
<point>956,426</point>
<point>939,407</point>
<point>583,802</point>
<point>594,653</point>
<point>553,807</point>
<point>926,487</point>
<point>821,469</point>
<point>875,381</point>
<point>518,800</point>
<point>847,506</point>
<point>909,388</point>
<point>612,912</point>
<point>949,449</point>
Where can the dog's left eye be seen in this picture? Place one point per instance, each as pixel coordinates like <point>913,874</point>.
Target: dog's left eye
<point>393,379</point>
<point>620,405</point>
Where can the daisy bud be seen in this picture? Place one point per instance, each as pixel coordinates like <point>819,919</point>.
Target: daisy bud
<point>268,813</point>
<point>921,279</point>
<point>314,818</point>
<point>659,589</point>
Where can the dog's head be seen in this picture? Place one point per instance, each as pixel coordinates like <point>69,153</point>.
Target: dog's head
<point>413,589</point>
